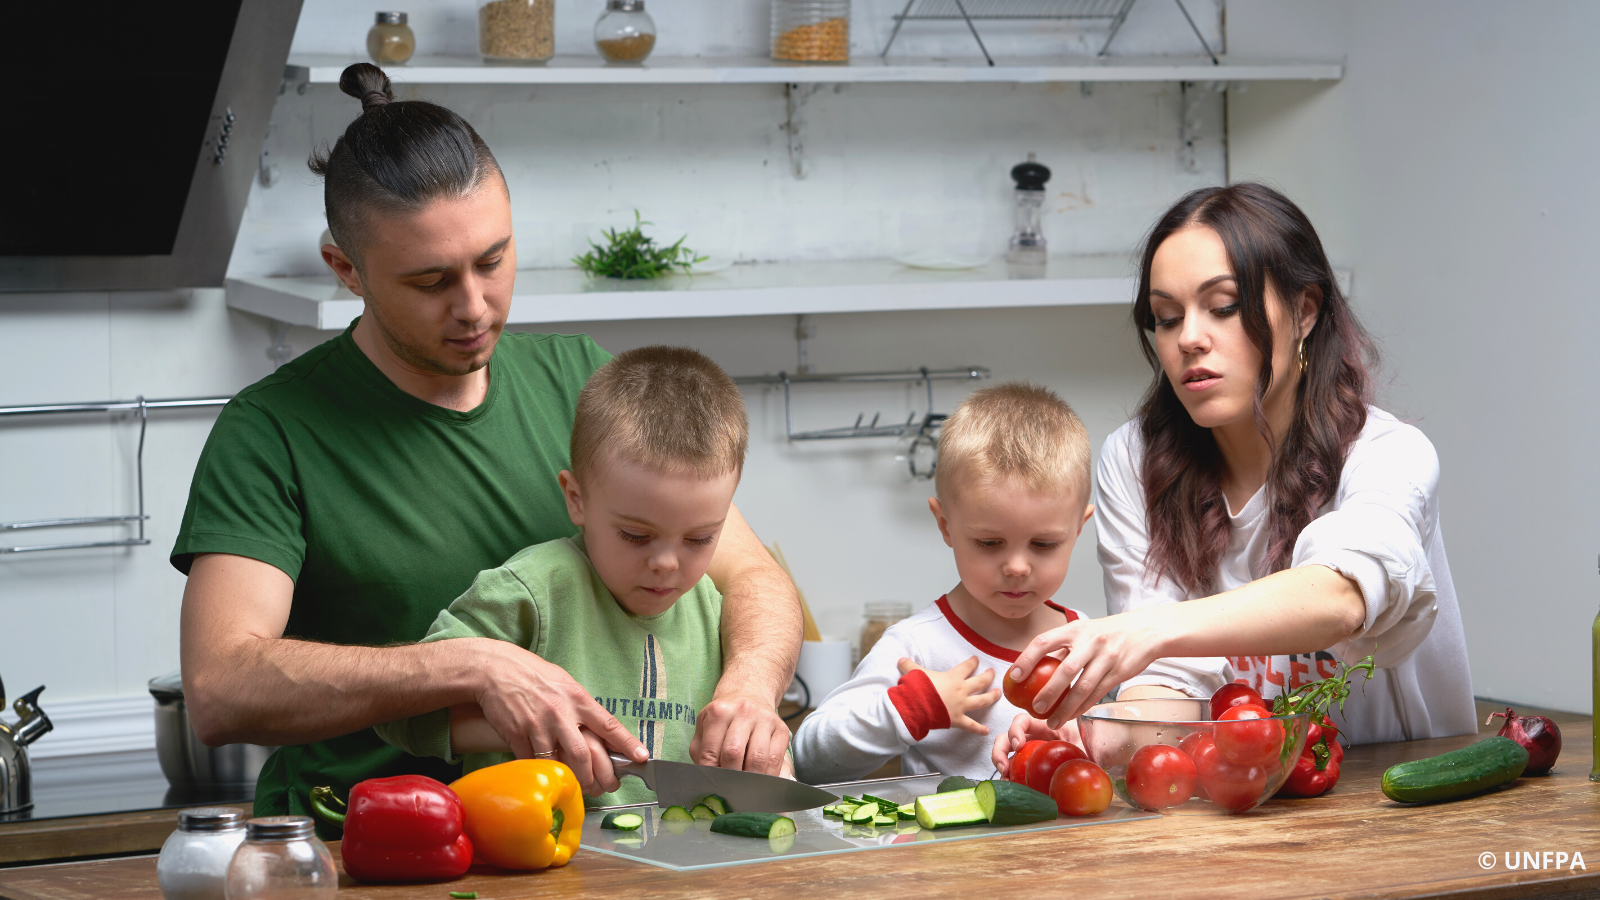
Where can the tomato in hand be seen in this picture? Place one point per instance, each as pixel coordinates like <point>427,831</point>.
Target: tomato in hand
<point>1080,788</point>
<point>1160,776</point>
<point>1021,694</point>
<point>1229,785</point>
<point>1248,736</point>
<point>1044,762</point>
<point>1017,769</point>
<point>1232,695</point>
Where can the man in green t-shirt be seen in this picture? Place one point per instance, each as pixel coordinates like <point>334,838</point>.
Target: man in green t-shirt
<point>343,501</point>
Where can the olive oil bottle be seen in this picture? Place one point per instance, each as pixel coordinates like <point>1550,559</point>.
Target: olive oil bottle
<point>1594,709</point>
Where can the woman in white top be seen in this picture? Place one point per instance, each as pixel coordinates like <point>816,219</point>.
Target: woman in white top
<point>1259,519</point>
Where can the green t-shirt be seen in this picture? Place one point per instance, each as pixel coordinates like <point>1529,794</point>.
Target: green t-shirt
<point>382,508</point>
<point>654,673</point>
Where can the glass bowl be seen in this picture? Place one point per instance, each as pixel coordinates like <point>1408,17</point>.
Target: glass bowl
<point>1202,774</point>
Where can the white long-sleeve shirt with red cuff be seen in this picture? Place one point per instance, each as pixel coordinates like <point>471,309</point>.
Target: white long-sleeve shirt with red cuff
<point>879,714</point>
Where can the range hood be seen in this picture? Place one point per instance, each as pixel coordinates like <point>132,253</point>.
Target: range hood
<point>133,133</point>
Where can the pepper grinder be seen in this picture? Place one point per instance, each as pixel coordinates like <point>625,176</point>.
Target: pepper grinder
<point>1028,247</point>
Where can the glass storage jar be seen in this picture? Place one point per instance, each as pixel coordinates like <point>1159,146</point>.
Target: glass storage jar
<point>281,859</point>
<point>811,30</point>
<point>194,861</point>
<point>879,616</point>
<point>625,33</point>
<point>517,31</point>
<point>390,42</point>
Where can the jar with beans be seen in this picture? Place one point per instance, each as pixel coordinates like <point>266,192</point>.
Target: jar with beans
<point>811,30</point>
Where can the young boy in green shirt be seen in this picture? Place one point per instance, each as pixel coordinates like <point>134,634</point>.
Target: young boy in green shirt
<point>626,607</point>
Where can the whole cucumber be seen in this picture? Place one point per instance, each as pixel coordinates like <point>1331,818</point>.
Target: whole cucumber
<point>1460,773</point>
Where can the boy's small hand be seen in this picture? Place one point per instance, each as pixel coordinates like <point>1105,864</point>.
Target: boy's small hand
<point>1025,728</point>
<point>961,691</point>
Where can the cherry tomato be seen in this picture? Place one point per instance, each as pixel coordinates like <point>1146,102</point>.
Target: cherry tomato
<point>1231,695</point>
<point>1022,693</point>
<point>1017,770</point>
<point>1248,736</point>
<point>1160,776</point>
<point>1044,762</point>
<point>1080,788</point>
<point>1229,785</point>
<point>1190,745</point>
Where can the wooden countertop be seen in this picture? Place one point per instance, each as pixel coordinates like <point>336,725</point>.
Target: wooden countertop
<point>1351,843</point>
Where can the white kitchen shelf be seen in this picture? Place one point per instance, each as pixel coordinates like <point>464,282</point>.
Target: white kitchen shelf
<point>588,69</point>
<point>762,289</point>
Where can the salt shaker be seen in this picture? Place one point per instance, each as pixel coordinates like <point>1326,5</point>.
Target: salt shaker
<point>282,858</point>
<point>1028,247</point>
<point>194,861</point>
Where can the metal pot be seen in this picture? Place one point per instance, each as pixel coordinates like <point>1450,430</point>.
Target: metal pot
<point>189,764</point>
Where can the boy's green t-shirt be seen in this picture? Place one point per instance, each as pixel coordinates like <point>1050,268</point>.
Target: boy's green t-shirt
<point>654,673</point>
<point>382,508</point>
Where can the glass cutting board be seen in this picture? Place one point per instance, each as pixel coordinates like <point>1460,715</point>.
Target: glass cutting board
<point>691,845</point>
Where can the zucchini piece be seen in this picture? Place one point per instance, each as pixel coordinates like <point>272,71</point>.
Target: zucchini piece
<point>956,783</point>
<point>1008,803</point>
<point>882,820</point>
<point>950,809</point>
<point>622,821</point>
<point>865,813</point>
<point>907,811</point>
<point>1460,773</point>
<point>702,811</point>
<point>717,804</point>
<point>753,824</point>
<point>676,814</point>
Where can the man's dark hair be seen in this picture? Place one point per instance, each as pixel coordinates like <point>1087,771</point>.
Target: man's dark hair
<point>396,157</point>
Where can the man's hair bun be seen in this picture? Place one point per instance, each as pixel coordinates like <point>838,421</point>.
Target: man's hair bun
<point>367,83</point>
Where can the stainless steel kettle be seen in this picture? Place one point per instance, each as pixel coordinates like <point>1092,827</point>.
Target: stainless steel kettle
<point>16,778</point>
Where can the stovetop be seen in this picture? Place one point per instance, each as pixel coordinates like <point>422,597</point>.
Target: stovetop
<point>135,794</point>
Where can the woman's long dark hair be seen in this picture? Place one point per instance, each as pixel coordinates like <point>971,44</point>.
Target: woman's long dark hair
<point>1268,240</point>
<point>395,158</point>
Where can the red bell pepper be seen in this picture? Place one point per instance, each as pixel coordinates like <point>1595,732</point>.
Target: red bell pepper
<point>404,828</point>
<point>1317,770</point>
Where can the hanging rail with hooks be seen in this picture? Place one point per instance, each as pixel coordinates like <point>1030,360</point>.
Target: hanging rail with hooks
<point>861,428</point>
<point>138,404</point>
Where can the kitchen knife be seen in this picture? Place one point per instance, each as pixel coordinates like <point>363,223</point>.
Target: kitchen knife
<point>684,784</point>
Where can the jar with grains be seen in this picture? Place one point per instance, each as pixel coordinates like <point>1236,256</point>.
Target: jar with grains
<point>390,42</point>
<point>517,31</point>
<point>193,864</point>
<point>625,33</point>
<point>281,858</point>
<point>880,616</point>
<point>811,30</point>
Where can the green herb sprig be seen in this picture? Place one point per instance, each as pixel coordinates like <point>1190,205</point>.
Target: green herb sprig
<point>632,254</point>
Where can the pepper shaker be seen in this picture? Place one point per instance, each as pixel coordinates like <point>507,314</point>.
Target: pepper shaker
<point>282,857</point>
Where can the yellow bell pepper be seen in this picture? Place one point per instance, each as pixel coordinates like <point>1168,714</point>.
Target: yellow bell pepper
<point>524,814</point>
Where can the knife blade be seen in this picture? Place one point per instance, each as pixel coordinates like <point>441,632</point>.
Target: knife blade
<point>685,784</point>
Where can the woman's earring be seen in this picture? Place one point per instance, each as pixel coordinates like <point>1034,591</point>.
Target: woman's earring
<point>1302,354</point>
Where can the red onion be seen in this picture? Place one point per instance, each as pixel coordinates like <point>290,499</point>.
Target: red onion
<point>1539,735</point>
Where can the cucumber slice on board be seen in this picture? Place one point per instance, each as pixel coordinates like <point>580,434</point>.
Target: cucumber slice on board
<point>702,811</point>
<point>717,804</point>
<point>864,813</point>
<point>950,809</point>
<point>676,814</point>
<point>907,811</point>
<point>755,825</point>
<point>622,822</point>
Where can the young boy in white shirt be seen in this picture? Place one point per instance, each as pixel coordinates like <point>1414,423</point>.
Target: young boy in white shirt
<point>1012,481</point>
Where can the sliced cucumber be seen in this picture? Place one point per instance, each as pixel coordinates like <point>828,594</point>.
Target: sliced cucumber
<point>702,811</point>
<point>885,820</point>
<point>1007,803</point>
<point>864,813</point>
<point>907,811</point>
<point>717,804</point>
<point>950,809</point>
<point>887,806</point>
<point>676,814</point>
<point>756,825</point>
<point>622,821</point>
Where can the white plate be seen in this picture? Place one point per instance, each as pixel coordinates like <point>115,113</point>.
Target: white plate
<point>930,259</point>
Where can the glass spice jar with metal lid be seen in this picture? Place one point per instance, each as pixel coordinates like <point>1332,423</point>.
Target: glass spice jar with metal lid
<point>811,30</point>
<point>193,864</point>
<point>625,33</point>
<point>390,42</point>
<point>282,857</point>
<point>879,616</point>
<point>517,31</point>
